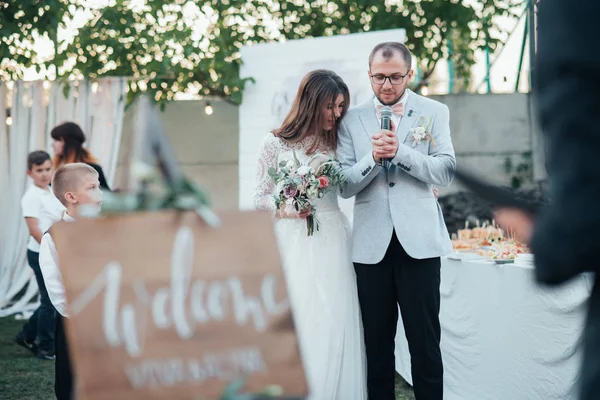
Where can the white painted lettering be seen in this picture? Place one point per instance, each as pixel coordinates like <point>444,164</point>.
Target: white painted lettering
<point>182,305</point>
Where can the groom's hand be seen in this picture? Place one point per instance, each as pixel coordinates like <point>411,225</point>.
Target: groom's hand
<point>385,143</point>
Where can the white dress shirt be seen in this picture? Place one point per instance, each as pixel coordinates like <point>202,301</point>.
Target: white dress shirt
<point>51,271</point>
<point>33,205</point>
<point>395,118</point>
<point>51,212</point>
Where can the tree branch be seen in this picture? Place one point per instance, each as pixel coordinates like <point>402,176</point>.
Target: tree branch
<point>426,76</point>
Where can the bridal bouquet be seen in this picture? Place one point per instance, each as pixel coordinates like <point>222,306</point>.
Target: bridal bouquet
<point>299,185</point>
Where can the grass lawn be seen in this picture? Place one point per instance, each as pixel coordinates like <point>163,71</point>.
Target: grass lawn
<point>403,390</point>
<point>24,377</point>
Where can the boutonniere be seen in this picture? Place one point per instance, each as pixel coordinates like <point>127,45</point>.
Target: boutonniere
<point>422,133</point>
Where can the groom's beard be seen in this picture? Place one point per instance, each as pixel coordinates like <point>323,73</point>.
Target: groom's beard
<point>391,103</point>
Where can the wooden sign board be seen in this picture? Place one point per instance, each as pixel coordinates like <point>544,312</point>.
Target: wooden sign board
<point>163,306</point>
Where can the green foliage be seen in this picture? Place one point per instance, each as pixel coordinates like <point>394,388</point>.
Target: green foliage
<point>156,194</point>
<point>522,172</point>
<point>171,46</point>
<point>21,23</point>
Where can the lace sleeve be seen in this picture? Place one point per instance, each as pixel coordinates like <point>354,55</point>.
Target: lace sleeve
<point>264,186</point>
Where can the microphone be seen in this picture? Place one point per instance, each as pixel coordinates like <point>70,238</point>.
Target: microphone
<point>386,123</point>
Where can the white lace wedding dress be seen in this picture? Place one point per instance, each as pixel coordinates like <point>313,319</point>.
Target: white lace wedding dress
<point>321,283</point>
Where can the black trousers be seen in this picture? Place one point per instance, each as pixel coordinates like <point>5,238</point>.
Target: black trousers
<point>414,285</point>
<point>41,323</point>
<point>63,377</point>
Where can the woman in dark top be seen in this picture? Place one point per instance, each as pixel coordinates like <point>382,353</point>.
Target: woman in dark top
<point>68,148</point>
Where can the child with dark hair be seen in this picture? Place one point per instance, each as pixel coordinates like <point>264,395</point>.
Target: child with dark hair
<point>37,334</point>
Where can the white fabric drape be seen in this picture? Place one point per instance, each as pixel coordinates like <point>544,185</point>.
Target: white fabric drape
<point>98,108</point>
<point>104,114</point>
<point>503,335</point>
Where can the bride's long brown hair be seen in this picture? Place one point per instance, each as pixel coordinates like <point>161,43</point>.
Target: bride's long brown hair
<point>317,89</point>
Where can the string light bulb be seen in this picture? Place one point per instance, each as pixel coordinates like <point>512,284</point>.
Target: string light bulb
<point>208,108</point>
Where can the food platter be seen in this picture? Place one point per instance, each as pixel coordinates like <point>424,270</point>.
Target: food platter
<point>489,242</point>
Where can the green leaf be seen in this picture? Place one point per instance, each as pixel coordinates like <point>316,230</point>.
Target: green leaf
<point>66,89</point>
<point>296,159</point>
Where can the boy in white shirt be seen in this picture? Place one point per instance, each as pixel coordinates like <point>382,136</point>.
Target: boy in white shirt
<point>75,185</point>
<point>41,324</point>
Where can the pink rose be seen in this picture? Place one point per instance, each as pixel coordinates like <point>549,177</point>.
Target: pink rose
<point>290,192</point>
<point>323,182</point>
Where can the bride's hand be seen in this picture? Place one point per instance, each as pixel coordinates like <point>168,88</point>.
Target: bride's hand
<point>304,214</point>
<point>282,214</point>
<point>317,161</point>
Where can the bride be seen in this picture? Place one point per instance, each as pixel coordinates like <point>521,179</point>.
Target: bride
<point>319,273</point>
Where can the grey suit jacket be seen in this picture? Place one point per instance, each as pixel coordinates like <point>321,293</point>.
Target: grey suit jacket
<point>400,198</point>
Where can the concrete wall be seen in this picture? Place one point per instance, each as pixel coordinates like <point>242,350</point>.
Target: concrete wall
<point>206,145</point>
<point>486,129</point>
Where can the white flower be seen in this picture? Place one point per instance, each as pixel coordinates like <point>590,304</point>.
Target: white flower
<point>279,187</point>
<point>420,131</point>
<point>291,164</point>
<point>418,134</point>
<point>312,193</point>
<point>289,207</point>
<point>304,170</point>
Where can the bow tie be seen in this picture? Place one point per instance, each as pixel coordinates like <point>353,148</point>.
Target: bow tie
<point>397,109</point>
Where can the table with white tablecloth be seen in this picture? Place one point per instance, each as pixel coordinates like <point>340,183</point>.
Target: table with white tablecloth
<point>505,337</point>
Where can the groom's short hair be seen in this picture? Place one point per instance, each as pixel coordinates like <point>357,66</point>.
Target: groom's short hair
<point>388,49</point>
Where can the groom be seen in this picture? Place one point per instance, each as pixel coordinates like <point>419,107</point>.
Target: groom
<point>399,231</point>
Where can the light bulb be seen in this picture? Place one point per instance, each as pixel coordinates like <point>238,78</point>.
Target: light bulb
<point>9,121</point>
<point>424,91</point>
<point>208,109</point>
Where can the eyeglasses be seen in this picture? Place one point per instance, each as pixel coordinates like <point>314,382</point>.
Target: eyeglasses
<point>395,79</point>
